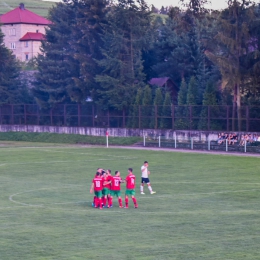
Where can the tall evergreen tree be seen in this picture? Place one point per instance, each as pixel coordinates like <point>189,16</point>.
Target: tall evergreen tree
<point>182,110</point>
<point>192,101</point>
<point>87,43</point>
<point>125,36</point>
<point>134,120</point>
<point>158,107</point>
<point>166,123</point>
<point>146,110</point>
<point>233,44</point>
<point>11,89</point>
<point>209,99</point>
<point>57,66</point>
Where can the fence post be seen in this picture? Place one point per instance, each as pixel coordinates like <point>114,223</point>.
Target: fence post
<point>245,146</point>
<point>247,119</point>
<point>107,138</point>
<point>226,145</point>
<point>155,116</point>
<point>173,126</point>
<point>208,144</point>
<point>191,140</point>
<point>175,141</point>
<point>208,118</point>
<point>159,141</point>
<point>144,139</point>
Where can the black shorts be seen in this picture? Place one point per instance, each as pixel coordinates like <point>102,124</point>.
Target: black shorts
<point>145,180</point>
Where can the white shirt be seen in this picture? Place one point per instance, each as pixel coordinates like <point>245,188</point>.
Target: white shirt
<point>145,172</point>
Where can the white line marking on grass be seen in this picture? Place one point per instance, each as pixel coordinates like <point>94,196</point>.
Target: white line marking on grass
<point>194,194</point>
<point>206,182</point>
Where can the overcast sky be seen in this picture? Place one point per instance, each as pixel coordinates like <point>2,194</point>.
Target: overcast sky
<point>215,4</point>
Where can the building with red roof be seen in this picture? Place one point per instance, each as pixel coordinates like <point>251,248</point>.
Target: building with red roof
<point>24,31</point>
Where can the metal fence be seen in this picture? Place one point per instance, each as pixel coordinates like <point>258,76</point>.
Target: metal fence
<point>209,118</point>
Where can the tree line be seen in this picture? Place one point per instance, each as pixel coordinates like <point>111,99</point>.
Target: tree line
<point>106,52</point>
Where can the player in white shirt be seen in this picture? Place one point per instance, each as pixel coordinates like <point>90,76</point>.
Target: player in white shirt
<point>145,179</point>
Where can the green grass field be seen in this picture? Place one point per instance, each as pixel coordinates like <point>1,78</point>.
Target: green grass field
<point>206,206</point>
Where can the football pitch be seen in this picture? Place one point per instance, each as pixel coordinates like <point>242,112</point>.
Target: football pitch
<point>206,206</point>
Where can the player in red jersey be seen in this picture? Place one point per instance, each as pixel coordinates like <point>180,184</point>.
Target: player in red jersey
<point>101,172</point>
<point>130,188</point>
<point>106,187</point>
<point>116,189</point>
<point>97,186</point>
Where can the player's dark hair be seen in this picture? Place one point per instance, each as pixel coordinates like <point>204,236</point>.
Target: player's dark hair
<point>145,162</point>
<point>130,169</point>
<point>97,173</point>
<point>116,172</point>
<point>109,170</point>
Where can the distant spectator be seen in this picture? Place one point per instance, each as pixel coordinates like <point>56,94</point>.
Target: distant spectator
<point>242,140</point>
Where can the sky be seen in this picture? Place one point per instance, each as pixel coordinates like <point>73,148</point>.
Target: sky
<point>215,4</point>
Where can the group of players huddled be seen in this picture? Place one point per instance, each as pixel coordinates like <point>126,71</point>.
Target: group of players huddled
<point>106,186</point>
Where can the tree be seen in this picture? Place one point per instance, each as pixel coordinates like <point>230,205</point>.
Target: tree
<point>134,121</point>
<point>11,89</point>
<point>233,41</point>
<point>182,110</point>
<point>87,43</point>
<point>209,99</point>
<point>158,107</point>
<point>57,66</point>
<point>125,36</point>
<point>192,101</point>
<point>166,123</point>
<point>146,110</point>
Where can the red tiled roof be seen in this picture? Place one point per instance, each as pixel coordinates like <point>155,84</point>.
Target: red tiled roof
<point>31,36</point>
<point>22,15</point>
<point>158,81</point>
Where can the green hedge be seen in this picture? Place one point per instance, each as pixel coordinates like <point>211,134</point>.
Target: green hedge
<point>66,138</point>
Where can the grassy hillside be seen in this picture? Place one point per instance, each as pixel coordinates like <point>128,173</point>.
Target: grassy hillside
<point>36,6</point>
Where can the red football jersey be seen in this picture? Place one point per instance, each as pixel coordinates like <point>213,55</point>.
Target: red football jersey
<point>130,181</point>
<point>108,178</point>
<point>115,184</point>
<point>98,183</point>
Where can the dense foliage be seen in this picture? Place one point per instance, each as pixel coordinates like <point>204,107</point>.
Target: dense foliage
<point>106,52</point>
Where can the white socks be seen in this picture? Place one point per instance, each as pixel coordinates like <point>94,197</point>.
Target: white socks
<point>142,188</point>
<point>150,188</point>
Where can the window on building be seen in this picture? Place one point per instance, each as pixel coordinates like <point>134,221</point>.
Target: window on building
<point>13,46</point>
<point>12,32</point>
<point>26,44</point>
<point>26,56</point>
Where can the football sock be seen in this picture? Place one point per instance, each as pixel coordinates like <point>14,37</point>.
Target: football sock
<point>104,201</point>
<point>110,202</point>
<point>126,201</point>
<point>120,202</point>
<point>94,199</point>
<point>100,202</point>
<point>96,202</point>
<point>150,188</point>
<point>142,188</point>
<point>134,200</point>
